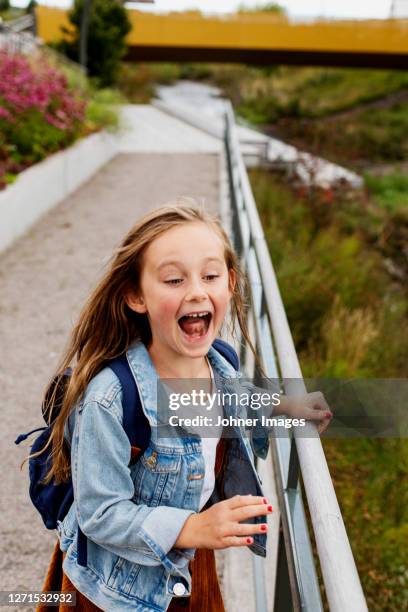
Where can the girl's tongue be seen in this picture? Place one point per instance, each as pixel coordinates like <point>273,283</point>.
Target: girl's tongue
<point>194,326</point>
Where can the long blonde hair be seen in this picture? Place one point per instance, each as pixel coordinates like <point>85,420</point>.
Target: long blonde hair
<point>107,326</point>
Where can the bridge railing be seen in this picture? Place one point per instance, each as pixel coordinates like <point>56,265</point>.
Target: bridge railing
<point>22,24</point>
<point>296,583</point>
<point>14,40</point>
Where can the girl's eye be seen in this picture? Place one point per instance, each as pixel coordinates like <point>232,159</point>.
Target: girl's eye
<point>173,281</point>
<point>176,281</point>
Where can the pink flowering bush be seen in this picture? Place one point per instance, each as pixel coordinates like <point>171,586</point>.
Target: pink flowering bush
<point>38,113</point>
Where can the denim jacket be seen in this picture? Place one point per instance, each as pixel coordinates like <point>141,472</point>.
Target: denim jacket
<point>132,514</point>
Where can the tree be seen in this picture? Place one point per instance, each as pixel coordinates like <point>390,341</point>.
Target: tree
<point>108,25</point>
<point>31,7</point>
<point>83,33</point>
<point>4,5</point>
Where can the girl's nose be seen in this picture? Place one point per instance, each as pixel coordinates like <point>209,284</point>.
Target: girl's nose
<point>196,291</point>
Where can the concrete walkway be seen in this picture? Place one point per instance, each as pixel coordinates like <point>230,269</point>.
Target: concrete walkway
<point>148,129</point>
<point>44,279</point>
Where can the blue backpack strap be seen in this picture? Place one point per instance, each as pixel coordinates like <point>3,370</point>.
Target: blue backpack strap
<point>130,395</point>
<point>135,422</point>
<point>135,425</point>
<point>227,351</point>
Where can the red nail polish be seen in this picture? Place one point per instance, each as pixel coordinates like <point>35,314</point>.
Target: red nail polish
<point>269,508</point>
<point>249,540</point>
<point>328,415</point>
<point>263,527</point>
<point>265,501</point>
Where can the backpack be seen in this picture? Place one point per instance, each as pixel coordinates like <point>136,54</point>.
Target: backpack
<point>53,501</point>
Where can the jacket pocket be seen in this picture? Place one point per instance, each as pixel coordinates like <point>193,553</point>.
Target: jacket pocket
<point>123,575</point>
<point>155,476</point>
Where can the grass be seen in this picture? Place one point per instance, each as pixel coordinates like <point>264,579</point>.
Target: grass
<point>11,13</point>
<point>370,478</point>
<point>316,92</point>
<point>275,92</point>
<point>390,191</point>
<point>337,249</point>
<point>348,319</point>
<point>321,92</point>
<point>322,110</point>
<point>360,139</point>
<point>325,111</point>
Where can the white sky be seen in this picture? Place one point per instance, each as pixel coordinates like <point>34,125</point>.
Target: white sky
<point>297,8</point>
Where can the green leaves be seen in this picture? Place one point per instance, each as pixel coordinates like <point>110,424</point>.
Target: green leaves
<point>108,27</point>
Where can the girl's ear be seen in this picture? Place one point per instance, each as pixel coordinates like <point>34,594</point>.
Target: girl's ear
<point>232,280</point>
<point>136,303</point>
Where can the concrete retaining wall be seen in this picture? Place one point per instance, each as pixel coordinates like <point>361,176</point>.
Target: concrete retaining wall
<point>47,183</point>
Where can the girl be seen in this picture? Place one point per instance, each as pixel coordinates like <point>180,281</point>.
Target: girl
<point>152,526</point>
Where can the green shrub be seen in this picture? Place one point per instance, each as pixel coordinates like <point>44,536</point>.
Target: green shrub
<point>34,139</point>
<point>135,82</point>
<point>102,111</point>
<point>165,73</point>
<point>196,72</point>
<point>41,113</point>
<point>38,112</point>
<point>330,268</point>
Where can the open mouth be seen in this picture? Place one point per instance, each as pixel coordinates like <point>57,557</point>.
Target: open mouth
<point>195,325</point>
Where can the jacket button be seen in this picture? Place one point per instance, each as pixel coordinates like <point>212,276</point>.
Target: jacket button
<point>179,589</point>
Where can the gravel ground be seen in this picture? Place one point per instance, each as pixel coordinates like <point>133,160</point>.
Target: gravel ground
<point>44,279</point>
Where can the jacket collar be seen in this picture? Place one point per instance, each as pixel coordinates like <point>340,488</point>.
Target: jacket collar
<point>146,375</point>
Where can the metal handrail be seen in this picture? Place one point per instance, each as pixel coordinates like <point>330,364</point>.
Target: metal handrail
<point>296,580</point>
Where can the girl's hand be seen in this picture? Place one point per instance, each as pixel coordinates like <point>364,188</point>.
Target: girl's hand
<point>220,526</point>
<point>312,407</point>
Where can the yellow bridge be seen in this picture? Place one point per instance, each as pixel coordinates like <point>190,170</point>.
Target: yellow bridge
<point>259,38</point>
